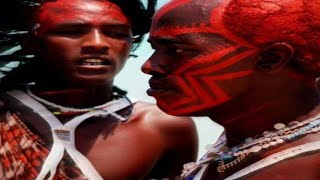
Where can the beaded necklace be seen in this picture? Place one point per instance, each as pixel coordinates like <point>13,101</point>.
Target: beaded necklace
<point>73,111</point>
<point>64,134</point>
<point>226,159</point>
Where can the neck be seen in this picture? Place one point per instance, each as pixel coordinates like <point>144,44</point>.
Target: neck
<point>78,97</point>
<point>245,120</point>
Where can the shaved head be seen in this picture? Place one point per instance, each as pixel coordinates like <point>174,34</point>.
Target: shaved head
<point>209,52</point>
<point>256,23</point>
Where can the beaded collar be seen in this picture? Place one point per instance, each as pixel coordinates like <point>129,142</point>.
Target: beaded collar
<point>227,158</point>
<point>72,111</point>
<point>64,134</point>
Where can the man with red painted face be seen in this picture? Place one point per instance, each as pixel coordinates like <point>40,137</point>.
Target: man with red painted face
<point>251,66</point>
<point>71,123</point>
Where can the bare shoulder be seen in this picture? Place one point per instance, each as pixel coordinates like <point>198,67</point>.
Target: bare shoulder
<point>177,132</point>
<point>178,137</point>
<point>152,116</point>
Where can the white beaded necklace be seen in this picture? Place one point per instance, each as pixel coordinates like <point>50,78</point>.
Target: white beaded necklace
<point>277,157</point>
<point>283,133</point>
<point>64,134</point>
<point>106,106</point>
<point>62,108</point>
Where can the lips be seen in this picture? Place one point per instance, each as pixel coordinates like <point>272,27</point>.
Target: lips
<point>158,86</point>
<point>95,65</point>
<point>94,61</point>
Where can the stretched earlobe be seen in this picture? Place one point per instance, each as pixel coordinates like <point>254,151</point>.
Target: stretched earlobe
<point>274,58</point>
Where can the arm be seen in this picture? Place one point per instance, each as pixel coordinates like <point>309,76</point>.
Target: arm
<point>181,140</point>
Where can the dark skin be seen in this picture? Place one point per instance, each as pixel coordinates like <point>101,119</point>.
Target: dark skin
<point>106,150</point>
<point>83,49</point>
<point>248,66</point>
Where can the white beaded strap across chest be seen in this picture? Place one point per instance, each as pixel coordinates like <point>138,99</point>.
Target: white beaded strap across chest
<point>64,135</point>
<point>274,158</point>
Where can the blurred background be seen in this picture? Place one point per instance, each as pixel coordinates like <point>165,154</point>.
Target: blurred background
<point>136,83</point>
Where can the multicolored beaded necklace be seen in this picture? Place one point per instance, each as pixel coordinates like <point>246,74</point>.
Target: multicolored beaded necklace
<point>227,158</point>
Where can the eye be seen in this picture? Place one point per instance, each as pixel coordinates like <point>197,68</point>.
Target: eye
<point>117,32</point>
<point>117,35</point>
<point>175,51</point>
<point>179,50</point>
<point>72,33</point>
<point>182,52</point>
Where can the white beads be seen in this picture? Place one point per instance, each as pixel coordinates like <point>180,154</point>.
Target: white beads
<point>274,158</point>
<point>189,165</point>
<point>273,143</point>
<point>293,123</point>
<point>269,139</point>
<point>276,138</point>
<point>265,146</point>
<point>255,149</point>
<point>279,141</point>
<point>279,126</point>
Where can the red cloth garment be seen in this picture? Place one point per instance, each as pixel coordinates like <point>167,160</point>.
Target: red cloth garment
<point>22,152</point>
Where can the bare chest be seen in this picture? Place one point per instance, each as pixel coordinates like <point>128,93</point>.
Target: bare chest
<point>303,167</point>
<point>280,163</point>
<point>297,168</point>
<point>120,151</point>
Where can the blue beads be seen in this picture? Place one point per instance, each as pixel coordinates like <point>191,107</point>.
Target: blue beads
<point>235,149</point>
<point>227,158</point>
<point>190,177</point>
<point>248,140</point>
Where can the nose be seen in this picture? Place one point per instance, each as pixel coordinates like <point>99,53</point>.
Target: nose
<point>146,67</point>
<point>155,66</point>
<point>95,42</point>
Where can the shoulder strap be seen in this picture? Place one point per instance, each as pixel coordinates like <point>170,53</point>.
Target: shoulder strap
<point>64,135</point>
<point>277,157</point>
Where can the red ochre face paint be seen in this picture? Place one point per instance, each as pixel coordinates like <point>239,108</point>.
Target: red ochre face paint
<point>73,32</point>
<point>195,59</point>
<point>63,11</point>
<point>204,49</point>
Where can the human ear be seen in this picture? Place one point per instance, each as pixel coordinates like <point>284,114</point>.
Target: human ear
<point>274,58</point>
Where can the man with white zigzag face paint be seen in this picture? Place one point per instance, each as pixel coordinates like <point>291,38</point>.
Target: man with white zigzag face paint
<point>251,66</point>
<point>72,123</point>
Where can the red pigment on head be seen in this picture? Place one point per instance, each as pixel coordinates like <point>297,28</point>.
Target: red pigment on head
<point>77,11</point>
<point>203,72</point>
<point>167,8</point>
<point>261,22</point>
<point>250,24</point>
<point>181,17</point>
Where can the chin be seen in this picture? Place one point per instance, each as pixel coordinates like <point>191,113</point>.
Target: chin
<point>169,111</point>
<point>175,111</point>
<point>196,110</point>
<point>89,82</point>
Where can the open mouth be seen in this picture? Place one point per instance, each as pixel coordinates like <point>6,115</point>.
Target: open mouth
<point>94,62</point>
